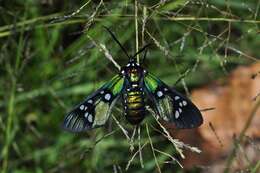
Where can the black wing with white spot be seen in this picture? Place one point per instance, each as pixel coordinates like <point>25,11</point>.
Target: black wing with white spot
<point>94,111</point>
<point>172,106</point>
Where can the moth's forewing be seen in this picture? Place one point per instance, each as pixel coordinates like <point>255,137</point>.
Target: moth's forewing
<point>95,110</point>
<point>170,105</point>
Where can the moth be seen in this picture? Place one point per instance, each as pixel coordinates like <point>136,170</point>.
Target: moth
<point>134,86</point>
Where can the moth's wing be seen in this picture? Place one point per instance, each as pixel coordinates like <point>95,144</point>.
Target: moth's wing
<point>170,105</point>
<point>94,111</point>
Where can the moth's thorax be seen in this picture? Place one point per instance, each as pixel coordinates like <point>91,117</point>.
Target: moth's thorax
<point>133,72</point>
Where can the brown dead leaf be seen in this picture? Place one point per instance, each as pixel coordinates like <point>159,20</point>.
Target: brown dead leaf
<point>233,103</point>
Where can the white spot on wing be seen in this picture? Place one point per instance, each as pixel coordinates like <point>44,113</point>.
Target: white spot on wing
<point>101,92</point>
<point>128,65</point>
<point>90,101</point>
<point>81,107</point>
<point>180,104</point>
<point>90,118</point>
<point>180,110</point>
<point>184,103</point>
<point>108,96</point>
<point>159,93</point>
<point>86,115</point>
<point>177,114</point>
<point>176,98</point>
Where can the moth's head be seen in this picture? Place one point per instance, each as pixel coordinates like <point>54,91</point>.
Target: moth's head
<point>132,70</point>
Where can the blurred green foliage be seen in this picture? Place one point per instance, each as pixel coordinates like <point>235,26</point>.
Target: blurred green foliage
<point>48,64</point>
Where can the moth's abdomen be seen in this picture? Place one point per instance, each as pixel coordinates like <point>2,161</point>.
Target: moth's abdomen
<point>134,106</point>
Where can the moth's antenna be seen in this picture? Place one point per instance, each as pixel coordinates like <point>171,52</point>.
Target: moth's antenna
<point>114,37</point>
<point>141,50</point>
<point>145,52</point>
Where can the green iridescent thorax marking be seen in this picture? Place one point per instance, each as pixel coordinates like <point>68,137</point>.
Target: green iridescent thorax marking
<point>134,76</point>
<point>151,82</point>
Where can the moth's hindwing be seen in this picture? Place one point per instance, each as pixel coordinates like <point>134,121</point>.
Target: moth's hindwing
<point>170,105</point>
<point>94,111</point>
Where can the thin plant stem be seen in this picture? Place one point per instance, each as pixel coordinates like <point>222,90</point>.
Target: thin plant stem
<point>256,168</point>
<point>132,158</point>
<point>125,132</point>
<point>6,147</point>
<point>136,31</point>
<point>139,146</point>
<point>61,18</point>
<point>151,144</point>
<point>177,144</point>
<point>132,139</point>
<point>168,155</point>
<point>104,50</point>
<point>144,23</point>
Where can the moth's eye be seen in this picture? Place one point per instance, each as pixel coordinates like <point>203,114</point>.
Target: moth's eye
<point>129,71</point>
